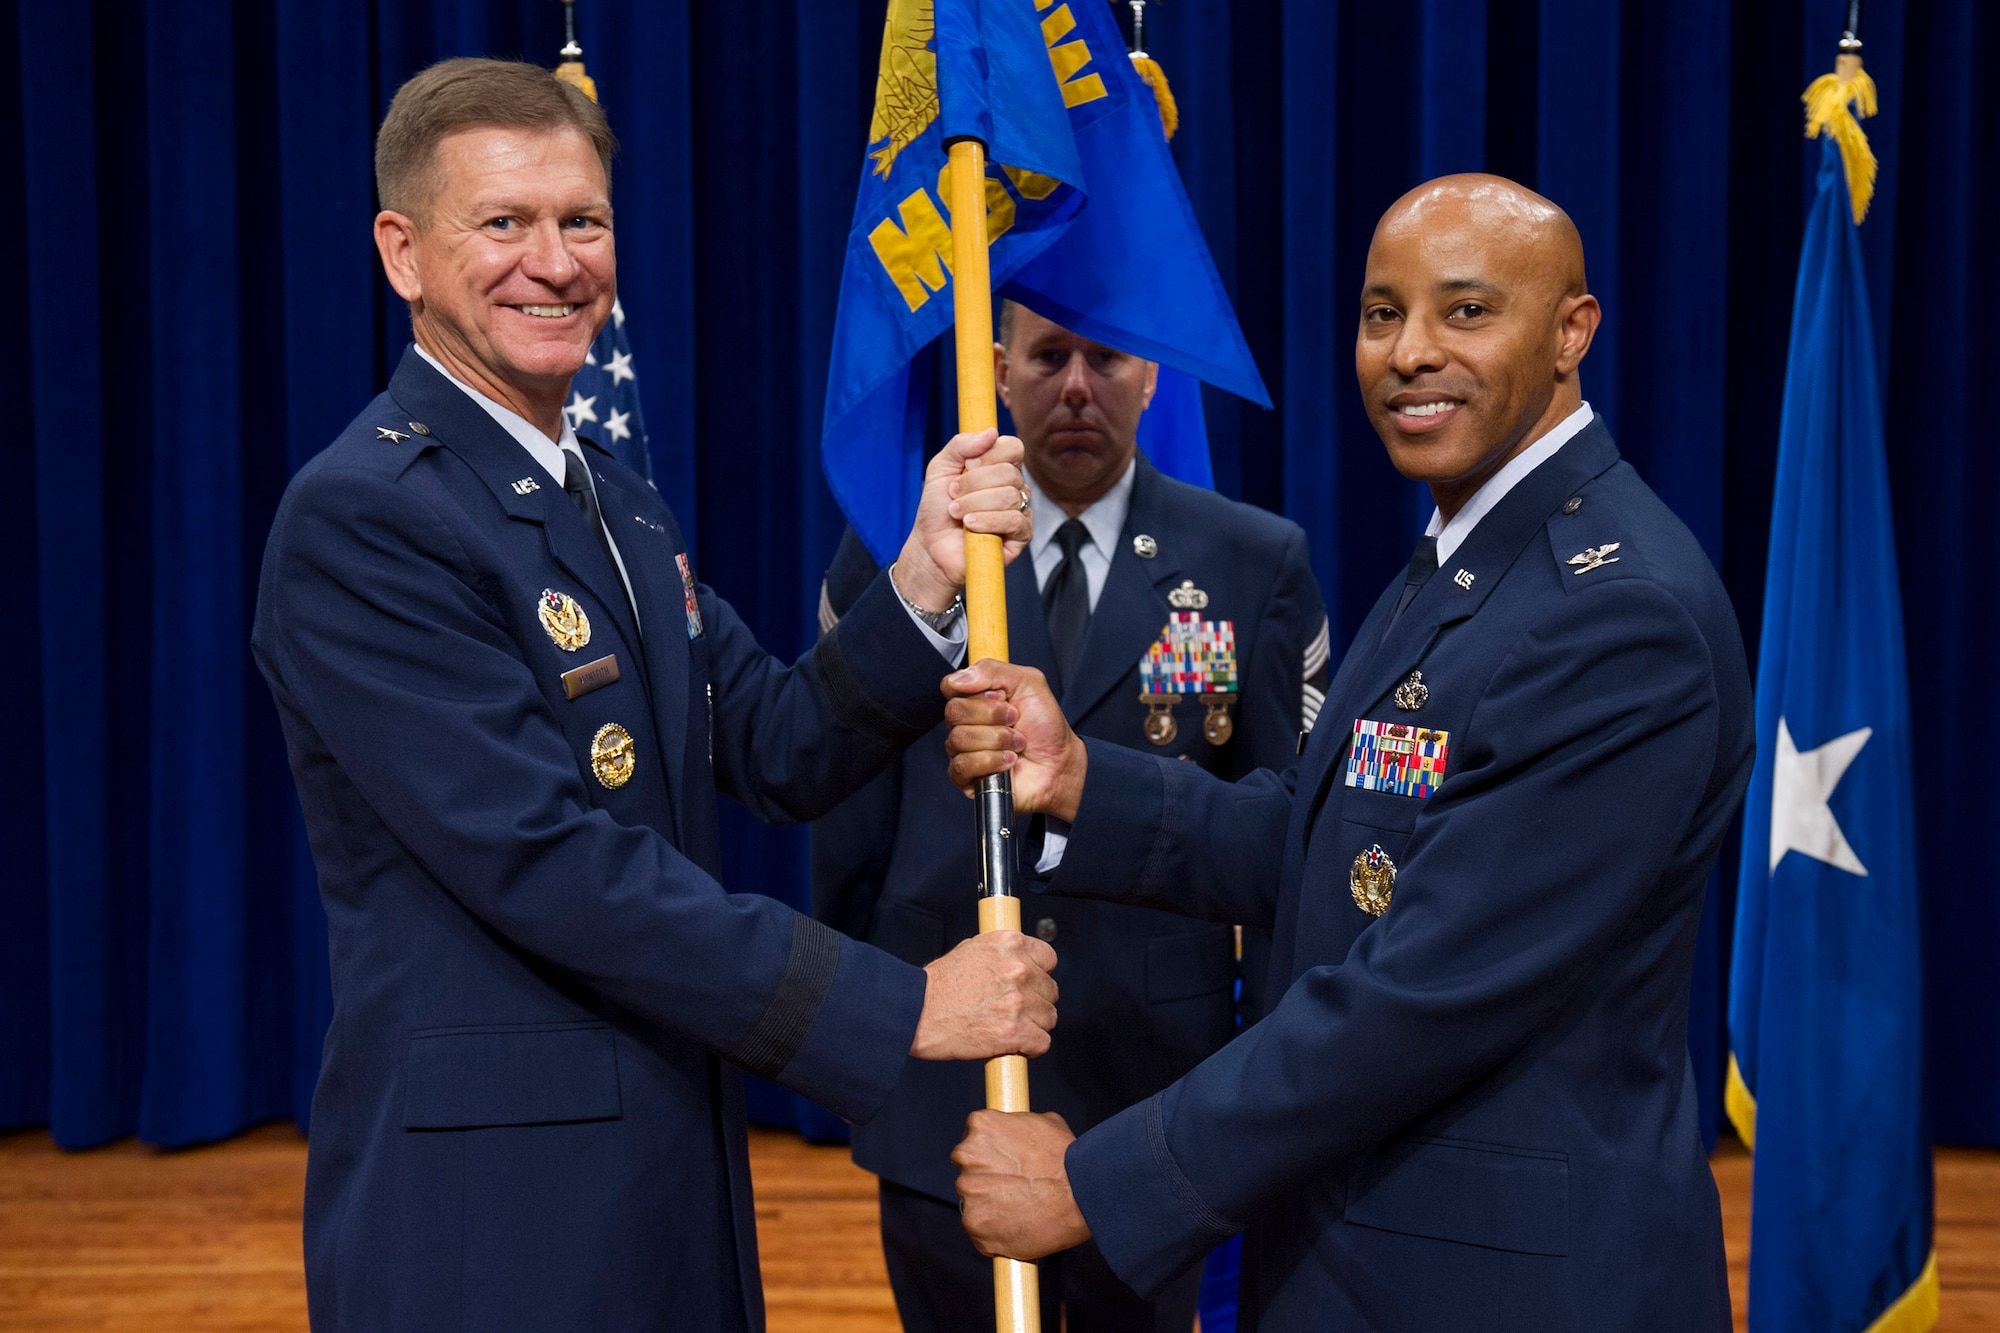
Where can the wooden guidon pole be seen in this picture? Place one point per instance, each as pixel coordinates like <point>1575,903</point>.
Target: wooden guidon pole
<point>1017,1304</point>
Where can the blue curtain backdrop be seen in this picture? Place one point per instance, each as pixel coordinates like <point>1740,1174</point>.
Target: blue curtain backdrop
<point>203,312</point>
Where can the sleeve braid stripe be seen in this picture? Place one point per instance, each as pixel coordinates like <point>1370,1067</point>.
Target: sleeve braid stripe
<point>1313,701</point>
<point>779,1033</point>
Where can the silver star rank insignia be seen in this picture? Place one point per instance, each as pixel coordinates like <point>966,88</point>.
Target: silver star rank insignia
<point>392,436</point>
<point>1595,558</point>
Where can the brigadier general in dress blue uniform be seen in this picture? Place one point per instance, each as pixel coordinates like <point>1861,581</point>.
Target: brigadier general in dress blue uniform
<point>1127,569</point>
<point>1469,1105</point>
<point>509,706</point>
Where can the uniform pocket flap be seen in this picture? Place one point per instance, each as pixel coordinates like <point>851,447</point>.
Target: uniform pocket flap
<point>462,1078</point>
<point>1383,810</point>
<point>1197,962</point>
<point>1477,1194</point>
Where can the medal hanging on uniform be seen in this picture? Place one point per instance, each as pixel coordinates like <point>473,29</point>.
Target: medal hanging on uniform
<point>1192,658</point>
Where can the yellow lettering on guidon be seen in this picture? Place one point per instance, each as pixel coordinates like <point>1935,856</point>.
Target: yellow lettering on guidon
<point>917,255</point>
<point>1069,58</point>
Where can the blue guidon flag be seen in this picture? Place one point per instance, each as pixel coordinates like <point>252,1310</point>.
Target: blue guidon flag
<point>1086,219</point>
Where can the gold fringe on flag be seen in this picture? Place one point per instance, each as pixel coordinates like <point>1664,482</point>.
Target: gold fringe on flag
<point>1156,79</point>
<point>1827,102</point>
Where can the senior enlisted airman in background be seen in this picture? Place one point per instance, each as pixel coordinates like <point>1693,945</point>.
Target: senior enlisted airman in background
<point>509,706</point>
<point>1174,621</point>
<point>1469,1104</point>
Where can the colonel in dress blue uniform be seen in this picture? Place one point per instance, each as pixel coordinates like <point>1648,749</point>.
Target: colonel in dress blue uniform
<point>1470,1103</point>
<point>509,705</point>
<point>1172,620</point>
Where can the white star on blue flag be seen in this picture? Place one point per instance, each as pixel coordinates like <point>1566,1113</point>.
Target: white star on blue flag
<point>604,398</point>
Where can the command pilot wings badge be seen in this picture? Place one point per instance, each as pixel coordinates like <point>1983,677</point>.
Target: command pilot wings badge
<point>1595,558</point>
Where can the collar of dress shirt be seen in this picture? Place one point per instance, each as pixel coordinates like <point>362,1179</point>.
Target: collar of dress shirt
<point>1105,519</point>
<point>1451,535</point>
<point>540,447</point>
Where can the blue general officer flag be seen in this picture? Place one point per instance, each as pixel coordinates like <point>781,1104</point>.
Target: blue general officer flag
<point>1088,225</point>
<point>604,398</point>
<point>1826,995</point>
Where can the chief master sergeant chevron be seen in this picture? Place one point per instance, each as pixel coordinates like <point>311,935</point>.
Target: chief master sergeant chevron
<point>1469,1104</point>
<point>509,707</point>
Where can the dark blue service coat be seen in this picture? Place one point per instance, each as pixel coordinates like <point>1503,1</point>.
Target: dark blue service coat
<point>529,1113</point>
<point>1145,994</point>
<point>1475,1111</point>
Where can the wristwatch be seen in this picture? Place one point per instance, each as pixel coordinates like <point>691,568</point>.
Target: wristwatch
<point>940,621</point>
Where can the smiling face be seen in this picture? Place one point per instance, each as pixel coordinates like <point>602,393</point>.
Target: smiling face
<point>1076,406</point>
<point>1474,319</point>
<point>514,271</point>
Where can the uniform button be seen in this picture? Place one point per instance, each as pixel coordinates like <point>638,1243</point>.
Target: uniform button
<point>1571,505</point>
<point>1045,929</point>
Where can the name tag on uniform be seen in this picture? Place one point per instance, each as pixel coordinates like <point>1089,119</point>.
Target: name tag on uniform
<point>590,676</point>
<point>1397,758</point>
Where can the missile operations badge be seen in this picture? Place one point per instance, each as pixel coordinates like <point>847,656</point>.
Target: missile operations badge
<point>1191,658</point>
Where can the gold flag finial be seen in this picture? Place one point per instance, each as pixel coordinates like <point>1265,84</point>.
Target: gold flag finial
<point>1834,104</point>
<point>571,68</point>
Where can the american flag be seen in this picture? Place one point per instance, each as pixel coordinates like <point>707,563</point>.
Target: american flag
<point>604,398</point>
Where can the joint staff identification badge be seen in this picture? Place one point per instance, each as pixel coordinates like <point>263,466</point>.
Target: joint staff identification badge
<point>1192,656</point>
<point>1396,757</point>
<point>687,589</point>
<point>565,621</point>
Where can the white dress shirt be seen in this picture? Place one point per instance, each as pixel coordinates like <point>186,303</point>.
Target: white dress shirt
<point>1105,519</point>
<point>1453,534</point>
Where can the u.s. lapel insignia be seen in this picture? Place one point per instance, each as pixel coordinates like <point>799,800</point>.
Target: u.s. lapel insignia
<point>611,756</point>
<point>1413,694</point>
<point>568,626</point>
<point>1595,558</point>
<point>527,486</point>
<point>687,591</point>
<point>1187,597</point>
<point>392,436</point>
<point>1192,657</point>
<point>1372,880</point>
<point>1396,757</point>
<point>1145,547</point>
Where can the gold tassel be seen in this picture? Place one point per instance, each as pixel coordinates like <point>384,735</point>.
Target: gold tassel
<point>1827,113</point>
<point>1156,79</point>
<point>571,71</point>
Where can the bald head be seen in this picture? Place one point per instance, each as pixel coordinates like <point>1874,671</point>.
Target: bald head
<point>1474,319</point>
<point>1513,226</point>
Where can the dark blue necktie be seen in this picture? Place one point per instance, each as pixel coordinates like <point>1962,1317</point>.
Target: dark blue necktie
<point>1066,599</point>
<point>1423,564</point>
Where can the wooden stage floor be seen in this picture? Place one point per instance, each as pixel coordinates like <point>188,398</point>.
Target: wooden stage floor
<point>130,1240</point>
